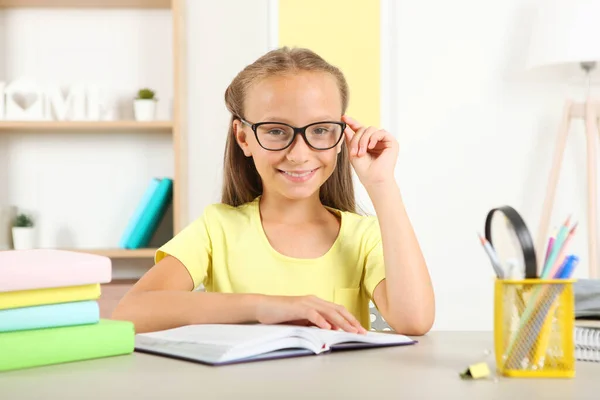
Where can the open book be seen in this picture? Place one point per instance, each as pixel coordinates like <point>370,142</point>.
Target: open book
<point>227,344</point>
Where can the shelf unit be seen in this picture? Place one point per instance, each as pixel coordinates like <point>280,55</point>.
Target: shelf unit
<point>118,253</point>
<point>175,128</point>
<point>86,126</point>
<point>86,3</point>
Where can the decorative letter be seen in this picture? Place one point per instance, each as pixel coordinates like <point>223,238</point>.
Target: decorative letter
<point>24,101</point>
<point>70,108</point>
<point>97,105</point>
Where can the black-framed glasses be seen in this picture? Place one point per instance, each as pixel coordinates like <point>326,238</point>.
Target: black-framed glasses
<point>277,136</point>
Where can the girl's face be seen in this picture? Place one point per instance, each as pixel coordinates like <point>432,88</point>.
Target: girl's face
<point>300,99</point>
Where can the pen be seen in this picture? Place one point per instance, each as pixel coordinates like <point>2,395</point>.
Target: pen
<point>566,269</point>
<point>492,255</point>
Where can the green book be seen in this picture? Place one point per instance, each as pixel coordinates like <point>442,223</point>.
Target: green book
<point>36,347</point>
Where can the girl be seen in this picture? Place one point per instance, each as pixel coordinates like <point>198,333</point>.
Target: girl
<point>285,244</point>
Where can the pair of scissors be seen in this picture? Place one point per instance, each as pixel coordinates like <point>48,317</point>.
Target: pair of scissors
<point>508,234</point>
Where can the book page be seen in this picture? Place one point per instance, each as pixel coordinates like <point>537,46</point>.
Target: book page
<point>334,337</point>
<point>223,335</point>
<point>226,343</point>
<point>286,343</point>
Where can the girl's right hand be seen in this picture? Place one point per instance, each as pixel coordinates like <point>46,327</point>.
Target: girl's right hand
<point>307,310</point>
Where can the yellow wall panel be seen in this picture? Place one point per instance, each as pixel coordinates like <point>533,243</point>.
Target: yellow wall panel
<point>347,34</point>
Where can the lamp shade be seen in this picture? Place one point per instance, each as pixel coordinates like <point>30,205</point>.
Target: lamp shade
<point>564,34</point>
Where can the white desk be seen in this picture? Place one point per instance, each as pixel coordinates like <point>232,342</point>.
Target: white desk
<point>427,370</point>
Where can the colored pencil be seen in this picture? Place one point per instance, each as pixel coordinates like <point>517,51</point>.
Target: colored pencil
<point>549,248</point>
<point>556,246</point>
<point>561,256</point>
<point>492,255</point>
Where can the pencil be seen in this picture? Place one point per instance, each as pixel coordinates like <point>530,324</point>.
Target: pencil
<point>492,255</point>
<point>560,237</point>
<point>549,248</point>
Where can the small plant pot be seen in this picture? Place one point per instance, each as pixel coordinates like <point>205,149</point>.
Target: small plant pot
<point>23,238</point>
<point>144,109</point>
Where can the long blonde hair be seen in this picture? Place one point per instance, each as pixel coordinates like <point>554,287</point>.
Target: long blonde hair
<point>241,181</point>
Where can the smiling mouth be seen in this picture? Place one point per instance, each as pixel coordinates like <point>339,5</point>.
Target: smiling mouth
<point>298,174</point>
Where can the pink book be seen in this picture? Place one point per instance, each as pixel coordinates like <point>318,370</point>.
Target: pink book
<point>45,268</point>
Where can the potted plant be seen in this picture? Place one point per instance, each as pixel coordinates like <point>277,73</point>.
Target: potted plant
<point>23,232</point>
<point>144,105</point>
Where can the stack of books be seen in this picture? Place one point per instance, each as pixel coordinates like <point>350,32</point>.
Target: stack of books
<point>49,312</point>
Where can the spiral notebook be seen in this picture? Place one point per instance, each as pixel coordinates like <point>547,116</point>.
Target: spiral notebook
<point>587,319</point>
<point>587,340</point>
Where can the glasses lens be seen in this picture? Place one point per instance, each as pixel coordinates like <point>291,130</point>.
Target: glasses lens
<point>323,135</point>
<point>274,136</point>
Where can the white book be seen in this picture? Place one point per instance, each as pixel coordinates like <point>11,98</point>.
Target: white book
<point>217,344</point>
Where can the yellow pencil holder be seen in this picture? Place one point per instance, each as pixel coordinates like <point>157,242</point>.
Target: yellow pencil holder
<point>533,328</point>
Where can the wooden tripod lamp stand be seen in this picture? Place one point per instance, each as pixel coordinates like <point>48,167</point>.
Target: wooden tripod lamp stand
<point>566,43</point>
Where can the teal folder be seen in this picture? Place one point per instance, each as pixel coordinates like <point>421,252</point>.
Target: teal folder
<point>135,218</point>
<point>152,214</point>
<point>49,316</point>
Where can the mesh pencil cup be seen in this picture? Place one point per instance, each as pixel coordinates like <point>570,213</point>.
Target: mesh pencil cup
<point>533,328</point>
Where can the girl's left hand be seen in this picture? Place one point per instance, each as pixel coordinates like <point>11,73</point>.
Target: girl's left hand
<point>373,152</point>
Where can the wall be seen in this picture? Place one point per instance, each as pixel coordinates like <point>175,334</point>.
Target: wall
<point>476,132</point>
<point>303,24</point>
<point>220,44</point>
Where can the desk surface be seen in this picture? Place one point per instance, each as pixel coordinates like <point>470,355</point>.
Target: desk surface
<point>429,369</point>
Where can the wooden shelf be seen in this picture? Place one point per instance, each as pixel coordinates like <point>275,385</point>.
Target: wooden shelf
<point>86,3</point>
<point>86,126</point>
<point>119,253</point>
<point>175,128</point>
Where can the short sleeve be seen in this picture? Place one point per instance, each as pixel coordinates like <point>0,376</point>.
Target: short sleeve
<point>192,247</point>
<point>374,264</point>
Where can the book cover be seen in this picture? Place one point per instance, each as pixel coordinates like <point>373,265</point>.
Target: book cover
<point>49,316</point>
<point>35,297</point>
<point>47,268</point>
<point>25,349</point>
<point>587,323</point>
<point>135,218</point>
<point>150,218</point>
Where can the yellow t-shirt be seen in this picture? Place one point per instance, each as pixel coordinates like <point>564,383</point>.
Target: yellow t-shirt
<point>227,250</point>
